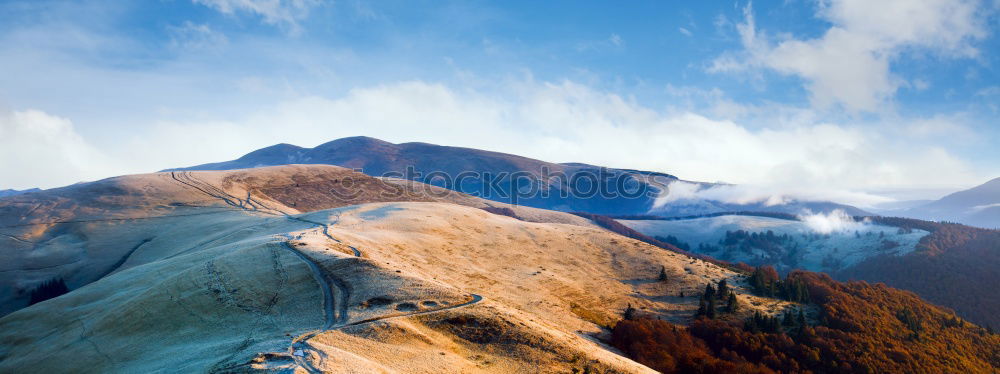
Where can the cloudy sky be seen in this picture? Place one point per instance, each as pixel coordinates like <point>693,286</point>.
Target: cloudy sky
<point>854,99</point>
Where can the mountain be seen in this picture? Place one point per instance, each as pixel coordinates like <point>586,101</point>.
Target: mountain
<point>318,268</point>
<point>977,206</point>
<point>509,178</point>
<point>5,193</point>
<point>76,233</point>
<point>240,270</point>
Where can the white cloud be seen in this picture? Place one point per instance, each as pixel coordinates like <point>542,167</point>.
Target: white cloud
<point>677,191</point>
<point>559,122</point>
<point>612,42</point>
<point>196,36</point>
<point>283,13</point>
<point>978,208</point>
<point>943,128</point>
<point>41,150</point>
<point>564,122</point>
<point>616,39</point>
<point>767,194</point>
<point>836,221</point>
<point>850,64</point>
<point>684,31</point>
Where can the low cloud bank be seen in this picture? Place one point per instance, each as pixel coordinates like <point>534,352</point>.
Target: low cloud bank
<point>836,221</point>
<point>758,194</point>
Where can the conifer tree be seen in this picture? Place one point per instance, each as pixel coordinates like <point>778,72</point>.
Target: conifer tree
<point>758,281</point>
<point>752,324</point>
<point>663,274</point>
<point>629,313</point>
<point>733,304</point>
<point>723,290</point>
<point>47,290</point>
<point>710,311</point>
<point>787,319</point>
<point>772,325</point>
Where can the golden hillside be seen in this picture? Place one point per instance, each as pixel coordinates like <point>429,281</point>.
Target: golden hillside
<point>220,281</point>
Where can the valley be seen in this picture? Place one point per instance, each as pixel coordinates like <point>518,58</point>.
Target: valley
<point>783,243</point>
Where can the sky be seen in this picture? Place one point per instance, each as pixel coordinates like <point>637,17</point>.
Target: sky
<point>858,101</point>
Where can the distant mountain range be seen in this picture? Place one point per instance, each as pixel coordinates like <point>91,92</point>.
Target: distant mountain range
<point>5,193</point>
<point>977,206</point>
<point>510,178</point>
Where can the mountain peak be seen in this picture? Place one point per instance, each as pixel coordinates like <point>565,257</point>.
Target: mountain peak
<point>274,150</point>
<point>354,141</point>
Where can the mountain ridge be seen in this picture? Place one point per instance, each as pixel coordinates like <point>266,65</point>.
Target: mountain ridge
<point>555,186</point>
<point>977,206</point>
<point>12,192</point>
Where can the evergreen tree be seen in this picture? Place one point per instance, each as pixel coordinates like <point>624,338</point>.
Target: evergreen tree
<point>733,304</point>
<point>787,320</point>
<point>723,290</point>
<point>709,292</point>
<point>772,325</point>
<point>47,290</point>
<point>710,312</point>
<point>663,274</point>
<point>629,313</point>
<point>702,308</point>
<point>758,281</point>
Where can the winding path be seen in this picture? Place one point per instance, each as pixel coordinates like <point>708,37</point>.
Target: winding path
<point>321,278</point>
<point>301,341</point>
<point>335,311</point>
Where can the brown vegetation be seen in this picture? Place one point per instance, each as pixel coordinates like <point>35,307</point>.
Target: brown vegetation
<point>862,328</point>
<point>503,211</point>
<point>953,266</point>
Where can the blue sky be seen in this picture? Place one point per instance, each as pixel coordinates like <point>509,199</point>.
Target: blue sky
<point>853,100</point>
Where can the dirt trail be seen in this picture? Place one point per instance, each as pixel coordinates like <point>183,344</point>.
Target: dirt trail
<point>475,299</point>
<point>301,342</point>
<point>187,179</point>
<point>321,278</point>
<point>335,311</point>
